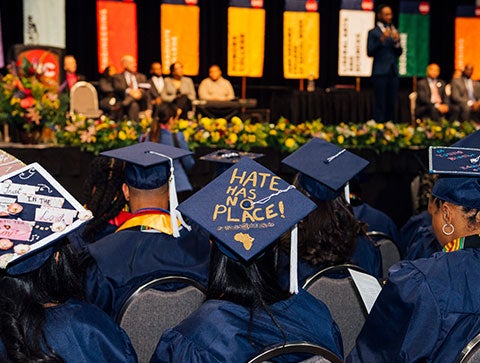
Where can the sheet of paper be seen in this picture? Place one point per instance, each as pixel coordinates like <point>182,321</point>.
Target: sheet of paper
<point>368,287</point>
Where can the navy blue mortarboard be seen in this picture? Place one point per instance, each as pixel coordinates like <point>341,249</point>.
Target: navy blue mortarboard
<point>325,168</point>
<point>472,140</point>
<point>459,169</point>
<point>246,209</point>
<point>149,166</point>
<point>35,212</point>
<point>224,158</point>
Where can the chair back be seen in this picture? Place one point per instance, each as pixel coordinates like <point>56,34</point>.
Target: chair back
<point>147,313</point>
<point>471,352</point>
<point>388,249</point>
<point>84,100</point>
<point>413,101</point>
<point>335,287</point>
<point>320,354</point>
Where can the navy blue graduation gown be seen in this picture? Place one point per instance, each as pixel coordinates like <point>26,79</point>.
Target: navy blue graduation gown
<point>423,244</point>
<point>80,332</point>
<point>368,257</point>
<point>376,220</point>
<point>427,312</point>
<point>129,258</point>
<point>218,331</point>
<point>408,231</point>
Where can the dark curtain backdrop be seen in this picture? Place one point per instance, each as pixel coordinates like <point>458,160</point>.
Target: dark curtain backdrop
<point>82,41</point>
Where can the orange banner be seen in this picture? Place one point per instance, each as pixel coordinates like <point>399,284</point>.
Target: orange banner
<point>116,32</point>
<point>246,38</point>
<point>467,46</point>
<point>179,41</point>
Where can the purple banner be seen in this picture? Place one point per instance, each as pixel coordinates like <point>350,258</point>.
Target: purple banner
<point>2,59</point>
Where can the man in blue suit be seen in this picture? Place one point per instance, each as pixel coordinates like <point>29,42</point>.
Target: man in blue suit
<point>384,46</point>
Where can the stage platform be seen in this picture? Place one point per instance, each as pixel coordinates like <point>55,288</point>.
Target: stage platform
<point>385,184</point>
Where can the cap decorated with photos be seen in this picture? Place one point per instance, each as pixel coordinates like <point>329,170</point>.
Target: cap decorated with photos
<point>324,168</point>
<point>9,163</point>
<point>246,209</point>
<point>224,158</point>
<point>35,212</point>
<point>148,163</point>
<point>459,174</point>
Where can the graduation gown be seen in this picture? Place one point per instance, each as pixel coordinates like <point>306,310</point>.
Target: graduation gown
<point>218,331</point>
<point>127,259</point>
<point>408,231</point>
<point>368,257</point>
<point>427,312</point>
<point>376,220</point>
<point>423,245</point>
<point>80,332</point>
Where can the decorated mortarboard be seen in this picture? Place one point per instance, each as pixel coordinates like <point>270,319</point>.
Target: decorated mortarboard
<point>149,166</point>
<point>9,163</point>
<point>224,158</point>
<point>35,212</point>
<point>472,140</point>
<point>325,168</point>
<point>459,170</point>
<point>246,210</point>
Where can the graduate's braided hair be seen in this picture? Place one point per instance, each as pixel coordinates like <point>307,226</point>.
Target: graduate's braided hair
<point>103,194</point>
<point>22,309</point>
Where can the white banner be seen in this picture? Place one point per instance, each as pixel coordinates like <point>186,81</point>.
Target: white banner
<point>352,43</point>
<point>44,22</point>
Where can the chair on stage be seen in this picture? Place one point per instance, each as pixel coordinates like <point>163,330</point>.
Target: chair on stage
<point>388,249</point>
<point>319,354</point>
<point>334,286</point>
<point>471,352</point>
<point>147,313</point>
<point>84,100</point>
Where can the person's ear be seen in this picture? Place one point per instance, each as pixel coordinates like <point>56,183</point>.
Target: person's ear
<point>126,192</point>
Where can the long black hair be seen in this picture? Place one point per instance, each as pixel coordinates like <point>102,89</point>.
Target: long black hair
<point>22,304</point>
<point>164,112</point>
<point>103,194</point>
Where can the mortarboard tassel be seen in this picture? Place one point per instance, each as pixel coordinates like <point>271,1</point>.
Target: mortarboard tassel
<point>294,260</point>
<point>347,192</point>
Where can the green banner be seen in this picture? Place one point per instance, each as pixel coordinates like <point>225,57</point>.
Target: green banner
<point>414,32</point>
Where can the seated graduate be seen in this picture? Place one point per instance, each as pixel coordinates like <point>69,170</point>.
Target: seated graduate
<point>430,308</point>
<point>324,171</point>
<point>246,210</point>
<point>151,241</point>
<point>43,316</point>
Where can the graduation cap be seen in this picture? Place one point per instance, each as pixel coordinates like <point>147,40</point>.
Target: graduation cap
<point>459,170</point>
<point>224,158</point>
<point>149,166</point>
<point>472,140</point>
<point>247,209</point>
<point>325,169</point>
<point>35,212</point>
<point>9,163</point>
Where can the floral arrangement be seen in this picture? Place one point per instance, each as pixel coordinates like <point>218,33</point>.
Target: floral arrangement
<point>97,135</point>
<point>29,100</point>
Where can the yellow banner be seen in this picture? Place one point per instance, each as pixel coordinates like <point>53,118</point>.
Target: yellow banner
<point>467,46</point>
<point>179,29</point>
<point>246,42</point>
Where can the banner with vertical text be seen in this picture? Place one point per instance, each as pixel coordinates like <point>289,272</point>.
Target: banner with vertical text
<point>116,32</point>
<point>246,41</point>
<point>467,46</point>
<point>414,29</point>
<point>301,41</point>
<point>178,41</point>
<point>44,22</point>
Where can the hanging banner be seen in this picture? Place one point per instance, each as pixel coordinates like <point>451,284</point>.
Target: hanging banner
<point>2,56</point>
<point>301,39</point>
<point>44,22</point>
<point>178,41</point>
<point>246,38</point>
<point>414,29</point>
<point>116,32</point>
<point>356,19</point>
<point>467,46</point>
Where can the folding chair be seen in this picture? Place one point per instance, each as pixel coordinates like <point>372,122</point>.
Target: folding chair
<point>84,100</point>
<point>320,354</point>
<point>388,249</point>
<point>471,352</point>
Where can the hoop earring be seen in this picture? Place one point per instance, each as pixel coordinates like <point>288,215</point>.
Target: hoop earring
<point>448,225</point>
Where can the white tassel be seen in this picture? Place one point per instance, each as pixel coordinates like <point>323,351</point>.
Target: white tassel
<point>293,260</point>
<point>347,192</point>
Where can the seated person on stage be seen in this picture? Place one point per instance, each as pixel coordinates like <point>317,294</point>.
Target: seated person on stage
<point>71,75</point>
<point>430,308</point>
<point>333,222</point>
<point>157,84</point>
<point>246,310</point>
<point>432,101</point>
<point>108,102</point>
<point>466,95</point>
<point>152,241</point>
<point>43,315</point>
<point>179,89</point>
<point>215,87</point>
<point>129,89</point>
